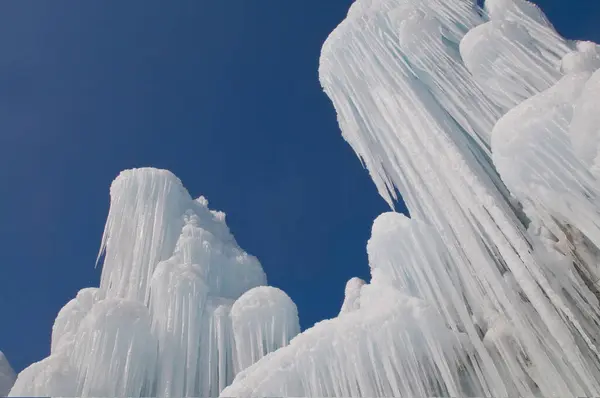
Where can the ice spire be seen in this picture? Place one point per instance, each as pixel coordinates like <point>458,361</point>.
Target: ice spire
<point>176,312</point>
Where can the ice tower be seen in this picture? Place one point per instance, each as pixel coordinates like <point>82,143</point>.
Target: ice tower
<point>181,308</point>
<point>486,122</point>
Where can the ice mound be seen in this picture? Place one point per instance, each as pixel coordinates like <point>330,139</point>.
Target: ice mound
<point>181,308</point>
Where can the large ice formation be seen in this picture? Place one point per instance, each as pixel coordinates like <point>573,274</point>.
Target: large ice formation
<point>7,376</point>
<point>486,122</point>
<point>181,308</point>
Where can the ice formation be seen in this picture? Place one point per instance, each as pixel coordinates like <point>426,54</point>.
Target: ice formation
<point>486,122</point>
<point>7,376</point>
<point>181,308</point>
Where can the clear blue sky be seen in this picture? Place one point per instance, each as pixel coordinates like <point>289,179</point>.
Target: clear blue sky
<point>223,93</point>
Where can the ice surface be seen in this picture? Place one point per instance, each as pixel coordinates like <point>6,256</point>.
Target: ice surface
<point>7,376</point>
<point>180,308</point>
<point>484,121</point>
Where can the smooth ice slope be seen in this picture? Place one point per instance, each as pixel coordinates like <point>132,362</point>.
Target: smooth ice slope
<point>484,121</point>
<point>7,376</point>
<point>181,308</point>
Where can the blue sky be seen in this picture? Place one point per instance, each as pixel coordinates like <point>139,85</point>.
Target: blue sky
<point>225,95</point>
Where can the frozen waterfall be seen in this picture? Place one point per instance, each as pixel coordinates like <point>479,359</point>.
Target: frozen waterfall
<point>485,121</point>
<point>181,308</point>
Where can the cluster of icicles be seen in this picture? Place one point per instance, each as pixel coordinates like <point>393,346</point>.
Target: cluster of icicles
<point>180,308</point>
<point>487,123</point>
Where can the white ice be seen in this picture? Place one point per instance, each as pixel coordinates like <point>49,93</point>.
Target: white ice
<point>370,349</point>
<point>181,308</point>
<point>485,122</point>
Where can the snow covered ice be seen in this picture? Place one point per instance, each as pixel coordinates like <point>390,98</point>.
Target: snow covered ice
<point>486,122</point>
<point>181,308</point>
